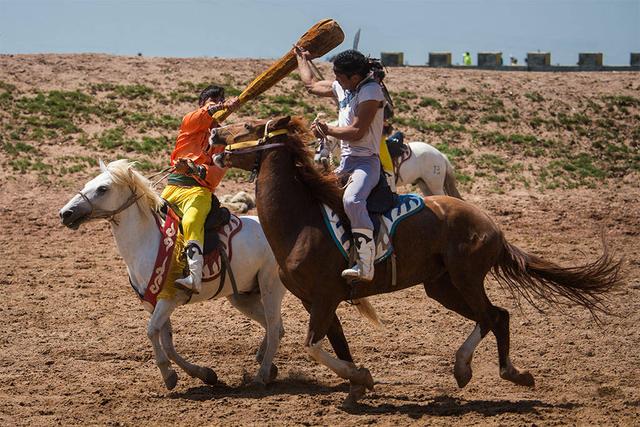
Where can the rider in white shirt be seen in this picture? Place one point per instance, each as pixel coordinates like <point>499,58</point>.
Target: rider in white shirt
<point>360,121</point>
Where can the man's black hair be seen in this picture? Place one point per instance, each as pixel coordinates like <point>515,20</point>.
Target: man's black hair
<point>213,91</point>
<point>351,62</point>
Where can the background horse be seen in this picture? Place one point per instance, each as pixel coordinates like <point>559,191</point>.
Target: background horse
<point>127,200</point>
<point>427,168</point>
<point>449,247</point>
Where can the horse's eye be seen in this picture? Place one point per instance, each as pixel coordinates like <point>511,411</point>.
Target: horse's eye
<point>102,189</point>
<point>247,126</point>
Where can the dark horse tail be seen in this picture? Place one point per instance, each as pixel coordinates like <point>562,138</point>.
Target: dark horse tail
<point>529,275</point>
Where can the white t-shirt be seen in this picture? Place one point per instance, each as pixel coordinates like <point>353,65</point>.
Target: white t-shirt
<point>348,102</point>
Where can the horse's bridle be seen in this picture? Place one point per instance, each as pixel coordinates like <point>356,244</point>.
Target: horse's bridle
<point>258,145</point>
<point>109,215</point>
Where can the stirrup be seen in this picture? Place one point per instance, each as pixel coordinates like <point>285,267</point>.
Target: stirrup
<point>354,275</point>
<point>186,283</point>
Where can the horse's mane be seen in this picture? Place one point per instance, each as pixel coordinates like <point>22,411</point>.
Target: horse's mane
<point>122,171</point>
<point>323,186</point>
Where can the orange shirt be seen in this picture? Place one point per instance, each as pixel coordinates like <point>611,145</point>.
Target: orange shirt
<point>193,143</point>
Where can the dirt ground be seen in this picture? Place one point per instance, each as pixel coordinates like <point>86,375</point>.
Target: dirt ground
<point>74,351</point>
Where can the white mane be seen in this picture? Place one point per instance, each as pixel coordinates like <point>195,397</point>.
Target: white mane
<point>122,172</point>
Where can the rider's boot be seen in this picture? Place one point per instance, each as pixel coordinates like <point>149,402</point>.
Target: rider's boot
<point>195,261</point>
<point>365,247</point>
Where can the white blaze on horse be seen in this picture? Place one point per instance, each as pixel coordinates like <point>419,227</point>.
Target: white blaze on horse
<point>127,199</point>
<point>422,165</point>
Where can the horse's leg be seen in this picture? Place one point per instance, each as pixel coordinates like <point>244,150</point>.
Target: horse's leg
<point>424,187</point>
<point>252,306</point>
<point>323,319</point>
<point>160,316</point>
<point>507,370</point>
<point>341,348</point>
<point>490,318</point>
<point>271,294</point>
<point>207,375</point>
<point>443,291</point>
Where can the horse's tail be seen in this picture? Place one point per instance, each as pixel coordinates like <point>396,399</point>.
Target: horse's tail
<point>529,275</point>
<point>367,311</point>
<point>450,188</point>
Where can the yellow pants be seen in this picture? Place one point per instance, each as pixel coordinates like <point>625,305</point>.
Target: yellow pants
<point>194,203</point>
<point>385,157</point>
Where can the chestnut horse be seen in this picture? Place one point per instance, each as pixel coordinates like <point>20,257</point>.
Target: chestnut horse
<point>449,246</point>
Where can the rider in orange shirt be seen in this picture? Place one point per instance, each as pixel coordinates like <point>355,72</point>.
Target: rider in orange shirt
<point>195,177</point>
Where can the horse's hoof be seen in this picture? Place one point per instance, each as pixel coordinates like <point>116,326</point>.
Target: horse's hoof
<point>259,382</point>
<point>356,392</point>
<point>262,380</point>
<point>273,372</point>
<point>363,377</point>
<point>171,380</point>
<point>210,377</point>
<point>518,376</point>
<point>463,374</point>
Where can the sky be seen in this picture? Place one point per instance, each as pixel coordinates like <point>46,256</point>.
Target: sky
<point>267,28</point>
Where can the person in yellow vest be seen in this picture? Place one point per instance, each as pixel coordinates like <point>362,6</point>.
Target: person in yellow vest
<point>195,177</point>
<point>386,161</point>
<point>466,58</point>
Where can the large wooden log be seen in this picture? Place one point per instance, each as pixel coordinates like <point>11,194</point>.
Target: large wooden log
<point>318,40</point>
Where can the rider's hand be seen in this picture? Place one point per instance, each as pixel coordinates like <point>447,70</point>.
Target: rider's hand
<point>184,166</point>
<point>302,52</point>
<point>320,129</point>
<point>231,103</point>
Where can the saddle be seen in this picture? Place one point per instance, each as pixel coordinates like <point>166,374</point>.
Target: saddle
<point>404,206</point>
<point>220,227</point>
<point>217,218</point>
<point>398,150</point>
<point>380,200</point>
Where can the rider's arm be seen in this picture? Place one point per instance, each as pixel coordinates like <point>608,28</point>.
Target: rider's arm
<point>313,85</point>
<point>358,128</point>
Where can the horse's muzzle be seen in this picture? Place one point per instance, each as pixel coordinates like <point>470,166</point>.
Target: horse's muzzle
<point>218,160</point>
<point>73,217</point>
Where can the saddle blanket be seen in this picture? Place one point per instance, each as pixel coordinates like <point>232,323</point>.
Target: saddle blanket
<point>408,204</point>
<point>162,282</point>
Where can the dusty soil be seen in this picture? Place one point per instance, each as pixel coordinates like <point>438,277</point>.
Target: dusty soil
<point>73,339</point>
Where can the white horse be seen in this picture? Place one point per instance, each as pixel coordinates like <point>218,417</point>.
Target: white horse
<point>127,200</point>
<point>427,168</point>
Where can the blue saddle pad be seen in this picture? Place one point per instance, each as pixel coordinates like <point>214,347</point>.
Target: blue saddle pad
<point>407,205</point>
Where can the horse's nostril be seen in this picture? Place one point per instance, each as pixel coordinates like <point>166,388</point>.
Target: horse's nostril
<point>66,214</point>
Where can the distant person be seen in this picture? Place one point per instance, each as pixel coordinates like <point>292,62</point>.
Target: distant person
<point>466,58</point>
<point>195,177</point>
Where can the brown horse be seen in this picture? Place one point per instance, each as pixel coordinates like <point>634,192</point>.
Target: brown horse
<point>449,246</point>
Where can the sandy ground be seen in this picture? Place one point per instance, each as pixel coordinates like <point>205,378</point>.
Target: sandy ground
<point>73,339</point>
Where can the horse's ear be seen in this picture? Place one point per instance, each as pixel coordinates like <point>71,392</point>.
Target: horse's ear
<point>281,122</point>
<point>103,167</point>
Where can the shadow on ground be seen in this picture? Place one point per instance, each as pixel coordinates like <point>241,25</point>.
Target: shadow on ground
<point>445,406</point>
<point>292,385</point>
